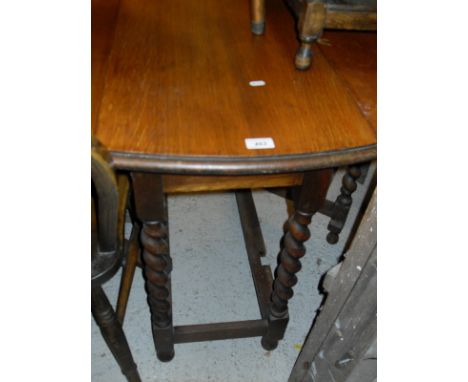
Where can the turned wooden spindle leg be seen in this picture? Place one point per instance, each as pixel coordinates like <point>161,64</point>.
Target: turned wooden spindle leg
<point>311,197</point>
<point>343,203</point>
<point>112,333</point>
<point>127,273</point>
<point>151,209</point>
<point>258,16</point>
<point>310,26</point>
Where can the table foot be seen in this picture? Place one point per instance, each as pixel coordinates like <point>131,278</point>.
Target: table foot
<point>269,344</point>
<point>164,338</point>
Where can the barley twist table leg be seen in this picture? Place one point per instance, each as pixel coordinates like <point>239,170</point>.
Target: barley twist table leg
<point>311,198</point>
<point>343,203</point>
<point>151,209</point>
<point>157,268</point>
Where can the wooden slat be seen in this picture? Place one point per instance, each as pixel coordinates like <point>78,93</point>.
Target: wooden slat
<point>255,246</point>
<point>103,20</point>
<point>353,331</point>
<point>345,16</point>
<point>351,20</point>
<point>194,183</point>
<point>219,331</point>
<point>356,274</point>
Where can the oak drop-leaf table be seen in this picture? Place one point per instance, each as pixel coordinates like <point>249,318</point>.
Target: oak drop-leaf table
<point>177,89</point>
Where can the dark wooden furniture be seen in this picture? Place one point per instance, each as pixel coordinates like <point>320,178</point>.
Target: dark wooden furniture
<point>108,207</point>
<point>313,16</point>
<point>174,105</point>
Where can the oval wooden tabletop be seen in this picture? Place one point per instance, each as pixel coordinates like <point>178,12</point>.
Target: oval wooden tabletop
<point>172,93</point>
<point>353,56</point>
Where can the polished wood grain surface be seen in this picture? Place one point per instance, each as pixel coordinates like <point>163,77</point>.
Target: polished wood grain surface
<point>177,85</point>
<point>202,183</point>
<point>353,55</point>
<point>351,20</point>
<point>103,20</point>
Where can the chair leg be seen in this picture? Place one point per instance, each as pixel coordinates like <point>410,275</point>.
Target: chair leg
<point>312,195</point>
<point>258,16</point>
<point>128,273</point>
<point>310,27</point>
<point>113,334</point>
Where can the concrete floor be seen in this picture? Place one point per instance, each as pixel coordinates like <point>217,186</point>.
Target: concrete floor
<point>211,282</point>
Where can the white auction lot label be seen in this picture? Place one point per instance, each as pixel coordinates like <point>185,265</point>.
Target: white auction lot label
<point>259,143</point>
<point>257,83</point>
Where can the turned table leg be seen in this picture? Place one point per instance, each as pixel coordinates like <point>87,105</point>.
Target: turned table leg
<point>310,26</point>
<point>258,16</point>
<point>312,195</point>
<point>343,203</point>
<point>112,333</point>
<point>127,273</point>
<point>151,210</point>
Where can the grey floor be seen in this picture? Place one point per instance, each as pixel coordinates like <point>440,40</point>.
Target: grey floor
<point>211,282</point>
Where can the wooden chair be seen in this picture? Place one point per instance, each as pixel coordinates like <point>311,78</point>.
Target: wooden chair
<point>313,16</point>
<point>109,195</point>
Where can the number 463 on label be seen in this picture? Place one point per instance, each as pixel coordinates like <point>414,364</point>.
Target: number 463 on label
<point>259,143</point>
